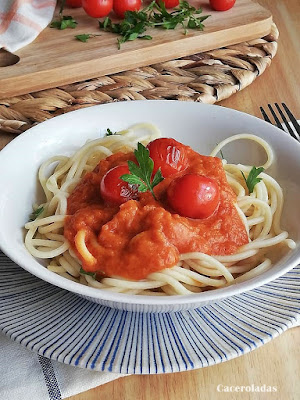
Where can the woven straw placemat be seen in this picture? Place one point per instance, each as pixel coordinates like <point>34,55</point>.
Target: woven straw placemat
<point>204,77</point>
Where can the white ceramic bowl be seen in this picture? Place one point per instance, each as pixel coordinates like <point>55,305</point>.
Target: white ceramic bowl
<point>198,125</point>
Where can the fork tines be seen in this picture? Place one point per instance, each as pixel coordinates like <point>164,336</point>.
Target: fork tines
<point>285,118</point>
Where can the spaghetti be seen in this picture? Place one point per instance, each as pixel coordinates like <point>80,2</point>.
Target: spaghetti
<point>260,212</point>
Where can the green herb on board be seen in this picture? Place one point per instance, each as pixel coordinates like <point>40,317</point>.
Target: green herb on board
<point>135,23</point>
<point>63,21</point>
<point>84,37</point>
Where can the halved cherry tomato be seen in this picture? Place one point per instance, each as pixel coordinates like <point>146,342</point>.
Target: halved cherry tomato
<point>221,5</point>
<point>115,190</point>
<point>74,3</point>
<point>194,196</point>
<point>97,8</point>
<point>169,3</point>
<point>121,6</point>
<point>168,155</point>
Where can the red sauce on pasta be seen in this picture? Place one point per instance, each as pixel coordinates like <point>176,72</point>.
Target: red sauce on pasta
<point>145,236</point>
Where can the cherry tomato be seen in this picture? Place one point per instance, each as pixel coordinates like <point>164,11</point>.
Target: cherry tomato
<point>121,6</point>
<point>169,3</point>
<point>168,155</point>
<point>74,3</point>
<point>194,196</point>
<point>97,8</point>
<point>221,5</point>
<point>113,189</point>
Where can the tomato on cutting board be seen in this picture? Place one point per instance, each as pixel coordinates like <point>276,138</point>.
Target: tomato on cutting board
<point>221,5</point>
<point>169,3</point>
<point>194,196</point>
<point>74,3</point>
<point>121,6</point>
<point>115,190</point>
<point>97,8</point>
<point>168,155</point>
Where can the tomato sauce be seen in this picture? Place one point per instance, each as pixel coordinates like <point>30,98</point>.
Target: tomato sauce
<point>146,236</point>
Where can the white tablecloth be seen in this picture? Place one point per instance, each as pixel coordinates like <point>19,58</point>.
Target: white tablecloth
<point>27,376</point>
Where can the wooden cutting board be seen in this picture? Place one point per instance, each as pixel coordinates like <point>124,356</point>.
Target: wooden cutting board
<point>56,58</point>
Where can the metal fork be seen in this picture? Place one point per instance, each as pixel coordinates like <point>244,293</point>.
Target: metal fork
<point>284,119</point>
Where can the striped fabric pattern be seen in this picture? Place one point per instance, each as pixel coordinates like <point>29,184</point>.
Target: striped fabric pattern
<point>62,326</point>
<point>22,20</point>
<point>50,378</point>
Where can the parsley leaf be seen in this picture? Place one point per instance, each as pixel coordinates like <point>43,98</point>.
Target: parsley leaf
<point>135,23</point>
<point>252,178</point>
<point>140,175</point>
<point>36,213</point>
<point>109,132</point>
<point>84,37</point>
<point>64,22</point>
<point>221,153</point>
<point>83,272</point>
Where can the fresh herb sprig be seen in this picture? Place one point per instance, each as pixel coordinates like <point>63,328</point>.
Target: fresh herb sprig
<point>141,174</point>
<point>185,15</point>
<point>135,23</point>
<point>83,272</point>
<point>84,37</point>
<point>36,213</point>
<point>252,178</point>
<point>63,21</point>
<point>109,132</point>
<point>221,152</point>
